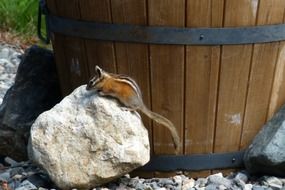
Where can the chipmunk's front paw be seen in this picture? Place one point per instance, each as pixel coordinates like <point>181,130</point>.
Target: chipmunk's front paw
<point>100,92</point>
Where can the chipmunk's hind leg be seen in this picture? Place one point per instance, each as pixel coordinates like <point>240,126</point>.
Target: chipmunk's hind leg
<point>131,105</point>
<point>132,110</point>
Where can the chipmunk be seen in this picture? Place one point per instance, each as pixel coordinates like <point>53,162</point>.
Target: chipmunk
<point>127,92</point>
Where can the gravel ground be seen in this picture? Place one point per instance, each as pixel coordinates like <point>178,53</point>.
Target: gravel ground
<point>9,62</point>
<point>17,176</point>
<point>236,181</point>
<point>26,176</point>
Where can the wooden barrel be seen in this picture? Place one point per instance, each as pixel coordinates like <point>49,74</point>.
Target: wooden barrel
<point>218,97</point>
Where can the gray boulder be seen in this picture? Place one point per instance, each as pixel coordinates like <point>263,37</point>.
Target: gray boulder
<point>266,154</point>
<point>36,89</point>
<point>87,140</point>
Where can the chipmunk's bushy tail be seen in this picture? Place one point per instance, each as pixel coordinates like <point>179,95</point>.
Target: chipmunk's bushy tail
<point>165,122</point>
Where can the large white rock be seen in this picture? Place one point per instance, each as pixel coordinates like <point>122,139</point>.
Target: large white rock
<point>87,140</point>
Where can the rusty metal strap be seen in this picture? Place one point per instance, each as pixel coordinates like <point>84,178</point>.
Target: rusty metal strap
<point>165,35</point>
<point>195,162</point>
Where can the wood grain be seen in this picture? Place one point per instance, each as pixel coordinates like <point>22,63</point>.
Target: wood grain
<point>61,65</point>
<point>278,89</point>
<point>277,98</point>
<point>167,73</point>
<point>99,53</point>
<point>202,70</point>
<point>73,47</point>
<point>234,74</point>
<point>262,73</point>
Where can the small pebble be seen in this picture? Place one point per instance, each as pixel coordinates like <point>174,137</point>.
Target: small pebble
<point>15,61</point>
<point>4,53</point>
<point>248,187</point>
<point>26,185</point>
<point>257,187</point>
<point>239,183</point>
<point>188,184</point>
<point>201,182</point>
<point>3,61</point>
<point>17,176</point>
<point>166,181</point>
<point>242,176</point>
<point>222,187</point>
<point>212,187</point>
<point>5,176</point>
<point>178,179</point>
<point>283,181</point>
<point>219,180</point>
<point>274,183</point>
<point>154,185</point>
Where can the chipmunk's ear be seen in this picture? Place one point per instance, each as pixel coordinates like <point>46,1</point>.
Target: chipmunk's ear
<point>98,71</point>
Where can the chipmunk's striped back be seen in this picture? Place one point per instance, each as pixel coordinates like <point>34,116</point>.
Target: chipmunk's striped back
<point>130,81</point>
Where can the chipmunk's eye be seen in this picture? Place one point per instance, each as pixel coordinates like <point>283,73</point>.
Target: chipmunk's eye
<point>90,83</point>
